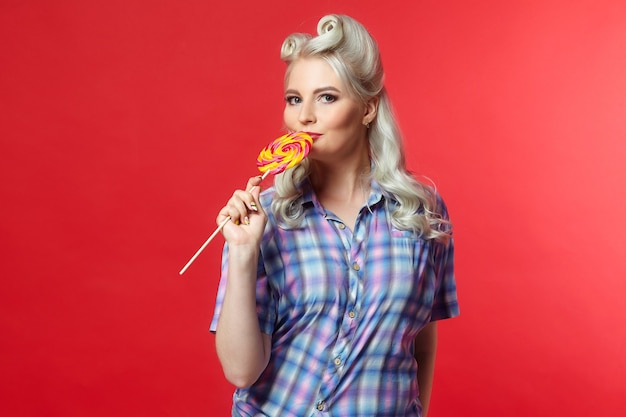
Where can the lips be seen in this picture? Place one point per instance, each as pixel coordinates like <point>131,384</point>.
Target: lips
<point>313,135</point>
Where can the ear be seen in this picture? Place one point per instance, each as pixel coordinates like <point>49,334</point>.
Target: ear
<point>370,111</point>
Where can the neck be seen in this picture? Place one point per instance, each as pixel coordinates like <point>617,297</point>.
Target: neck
<point>342,182</point>
<point>342,191</point>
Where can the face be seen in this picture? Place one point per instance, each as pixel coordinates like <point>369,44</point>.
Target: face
<point>316,100</point>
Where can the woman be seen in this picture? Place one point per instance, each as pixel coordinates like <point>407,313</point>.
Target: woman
<point>333,279</point>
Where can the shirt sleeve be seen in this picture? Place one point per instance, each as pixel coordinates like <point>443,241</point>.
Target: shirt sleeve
<point>445,304</point>
<point>264,296</point>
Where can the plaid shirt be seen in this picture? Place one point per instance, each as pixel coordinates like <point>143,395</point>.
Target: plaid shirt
<point>343,308</point>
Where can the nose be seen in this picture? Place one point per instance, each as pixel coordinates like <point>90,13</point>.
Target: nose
<point>307,113</point>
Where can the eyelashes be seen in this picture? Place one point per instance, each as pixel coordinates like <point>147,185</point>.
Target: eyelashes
<point>293,100</point>
<point>327,98</point>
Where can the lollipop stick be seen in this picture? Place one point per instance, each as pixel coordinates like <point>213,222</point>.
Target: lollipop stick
<point>217,230</point>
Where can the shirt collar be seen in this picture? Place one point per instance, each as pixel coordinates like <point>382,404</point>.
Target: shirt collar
<point>308,194</point>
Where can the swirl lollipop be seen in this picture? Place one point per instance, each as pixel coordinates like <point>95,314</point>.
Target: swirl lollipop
<point>284,152</point>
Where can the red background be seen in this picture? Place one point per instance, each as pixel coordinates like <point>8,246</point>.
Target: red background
<point>126,124</point>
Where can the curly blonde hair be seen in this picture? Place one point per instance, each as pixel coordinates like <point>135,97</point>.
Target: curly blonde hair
<point>353,54</point>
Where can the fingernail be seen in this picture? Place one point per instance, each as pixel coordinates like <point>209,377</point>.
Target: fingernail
<point>253,206</point>
<point>246,220</point>
<point>237,222</point>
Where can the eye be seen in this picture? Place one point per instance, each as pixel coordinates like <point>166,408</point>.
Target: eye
<point>293,100</point>
<point>327,98</point>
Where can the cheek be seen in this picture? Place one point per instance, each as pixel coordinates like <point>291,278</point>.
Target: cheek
<point>288,116</point>
<point>345,119</point>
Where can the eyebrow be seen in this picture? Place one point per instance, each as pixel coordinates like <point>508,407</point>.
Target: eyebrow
<point>316,91</point>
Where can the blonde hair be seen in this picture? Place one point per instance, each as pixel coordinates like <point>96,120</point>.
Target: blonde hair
<point>353,54</point>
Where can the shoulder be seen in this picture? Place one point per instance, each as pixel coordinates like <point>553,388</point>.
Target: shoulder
<point>435,202</point>
<point>441,208</point>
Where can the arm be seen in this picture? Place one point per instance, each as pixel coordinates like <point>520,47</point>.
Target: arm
<point>425,351</point>
<point>242,348</point>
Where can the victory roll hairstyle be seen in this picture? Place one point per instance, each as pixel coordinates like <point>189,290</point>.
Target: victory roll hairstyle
<point>353,54</point>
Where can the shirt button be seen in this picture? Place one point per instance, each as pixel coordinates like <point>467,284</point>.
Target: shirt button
<point>337,361</point>
<point>342,226</point>
<point>320,406</point>
<point>351,314</point>
<point>356,266</point>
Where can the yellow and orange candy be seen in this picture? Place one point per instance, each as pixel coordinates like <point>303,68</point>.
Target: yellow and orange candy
<point>285,152</point>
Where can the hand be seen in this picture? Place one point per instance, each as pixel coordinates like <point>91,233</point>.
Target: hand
<point>247,218</point>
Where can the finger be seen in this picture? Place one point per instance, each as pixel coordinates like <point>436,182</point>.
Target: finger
<point>239,206</point>
<point>242,203</point>
<point>250,198</point>
<point>254,182</point>
<point>235,209</point>
<point>255,191</point>
<point>222,217</point>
